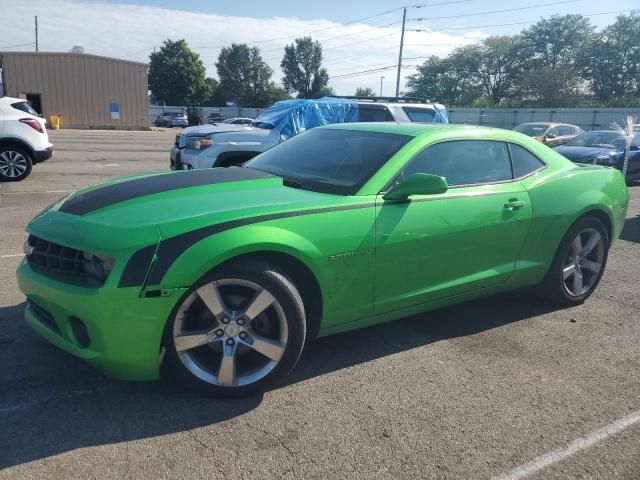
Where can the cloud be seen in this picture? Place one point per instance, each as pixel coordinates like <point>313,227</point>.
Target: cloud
<point>131,32</point>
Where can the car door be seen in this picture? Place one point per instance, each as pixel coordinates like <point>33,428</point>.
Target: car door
<point>435,246</point>
<point>552,137</point>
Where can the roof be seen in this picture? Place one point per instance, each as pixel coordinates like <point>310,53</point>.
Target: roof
<point>405,128</point>
<point>72,55</point>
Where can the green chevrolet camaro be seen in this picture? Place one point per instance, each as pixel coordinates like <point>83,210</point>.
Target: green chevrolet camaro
<point>217,277</point>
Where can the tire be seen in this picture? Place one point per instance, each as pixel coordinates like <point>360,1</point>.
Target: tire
<point>15,164</point>
<point>248,329</point>
<point>575,272</point>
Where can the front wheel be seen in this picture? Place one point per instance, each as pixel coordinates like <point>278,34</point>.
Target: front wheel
<point>578,264</point>
<point>238,330</point>
<point>15,164</point>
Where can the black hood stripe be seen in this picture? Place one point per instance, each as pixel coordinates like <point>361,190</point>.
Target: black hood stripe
<point>128,190</point>
<point>170,249</point>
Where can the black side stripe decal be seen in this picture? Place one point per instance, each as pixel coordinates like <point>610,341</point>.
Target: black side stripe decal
<point>171,248</point>
<point>101,197</point>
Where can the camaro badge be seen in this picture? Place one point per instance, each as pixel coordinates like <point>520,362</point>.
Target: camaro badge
<point>340,256</point>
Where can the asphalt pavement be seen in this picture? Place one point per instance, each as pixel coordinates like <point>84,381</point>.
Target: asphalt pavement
<point>504,387</point>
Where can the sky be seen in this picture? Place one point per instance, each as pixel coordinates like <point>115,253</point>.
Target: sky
<point>360,38</point>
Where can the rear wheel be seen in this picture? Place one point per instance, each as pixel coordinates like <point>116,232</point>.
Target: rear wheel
<point>578,264</point>
<point>239,330</point>
<point>15,164</point>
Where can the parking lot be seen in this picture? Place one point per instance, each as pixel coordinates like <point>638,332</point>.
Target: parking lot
<point>503,387</point>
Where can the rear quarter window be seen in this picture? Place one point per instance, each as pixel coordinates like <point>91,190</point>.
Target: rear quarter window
<point>524,162</point>
<point>420,115</point>
<point>24,107</point>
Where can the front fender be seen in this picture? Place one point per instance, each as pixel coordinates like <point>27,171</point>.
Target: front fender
<point>206,254</point>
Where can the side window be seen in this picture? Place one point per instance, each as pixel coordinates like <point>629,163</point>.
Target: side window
<point>464,162</point>
<point>524,162</point>
<point>420,115</point>
<point>566,131</point>
<point>373,114</point>
<point>553,131</point>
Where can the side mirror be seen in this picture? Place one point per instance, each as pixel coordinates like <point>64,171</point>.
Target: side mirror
<point>549,136</point>
<point>417,184</point>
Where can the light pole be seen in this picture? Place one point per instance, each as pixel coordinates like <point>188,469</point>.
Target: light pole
<point>381,85</point>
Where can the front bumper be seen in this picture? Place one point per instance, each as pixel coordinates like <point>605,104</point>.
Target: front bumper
<point>124,329</point>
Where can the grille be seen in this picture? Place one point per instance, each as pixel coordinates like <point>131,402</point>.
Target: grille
<point>57,260</point>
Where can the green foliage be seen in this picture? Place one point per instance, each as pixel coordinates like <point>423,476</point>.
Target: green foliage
<point>302,68</point>
<point>557,41</point>
<point>177,75</point>
<point>558,62</point>
<point>364,92</point>
<point>612,60</point>
<point>244,77</point>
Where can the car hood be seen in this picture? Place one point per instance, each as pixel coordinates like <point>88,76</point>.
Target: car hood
<point>137,211</point>
<point>578,154</point>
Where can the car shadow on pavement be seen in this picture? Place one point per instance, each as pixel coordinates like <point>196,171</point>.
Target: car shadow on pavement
<point>631,230</point>
<point>61,404</point>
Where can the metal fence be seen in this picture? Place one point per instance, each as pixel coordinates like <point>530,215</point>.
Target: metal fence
<point>586,118</point>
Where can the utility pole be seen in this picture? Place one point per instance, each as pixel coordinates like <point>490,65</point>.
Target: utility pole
<point>36,33</point>
<point>404,19</point>
<point>381,85</point>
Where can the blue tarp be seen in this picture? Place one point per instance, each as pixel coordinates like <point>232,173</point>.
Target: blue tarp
<point>292,117</point>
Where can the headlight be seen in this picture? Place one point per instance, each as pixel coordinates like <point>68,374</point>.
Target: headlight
<point>199,143</point>
<point>98,265</point>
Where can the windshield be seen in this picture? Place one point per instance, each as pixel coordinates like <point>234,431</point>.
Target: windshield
<point>328,160</point>
<point>531,129</point>
<point>597,139</point>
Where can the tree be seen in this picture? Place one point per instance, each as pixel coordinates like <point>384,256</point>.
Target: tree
<point>612,61</point>
<point>452,80</point>
<point>557,40</point>
<point>364,92</point>
<point>213,84</point>
<point>551,87</point>
<point>302,68</point>
<point>501,63</point>
<point>177,75</point>
<point>244,76</point>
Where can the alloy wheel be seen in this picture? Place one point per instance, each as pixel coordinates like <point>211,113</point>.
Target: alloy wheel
<point>230,332</point>
<point>12,164</point>
<point>583,263</point>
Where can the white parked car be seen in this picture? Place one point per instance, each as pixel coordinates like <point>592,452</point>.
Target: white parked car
<point>239,121</point>
<point>23,139</point>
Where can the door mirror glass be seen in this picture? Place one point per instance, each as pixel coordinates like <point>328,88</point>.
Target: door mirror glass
<point>417,184</point>
<point>550,136</point>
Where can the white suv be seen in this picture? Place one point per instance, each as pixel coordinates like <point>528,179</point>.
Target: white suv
<point>23,139</point>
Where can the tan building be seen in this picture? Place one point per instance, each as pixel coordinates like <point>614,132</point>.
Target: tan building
<point>88,91</point>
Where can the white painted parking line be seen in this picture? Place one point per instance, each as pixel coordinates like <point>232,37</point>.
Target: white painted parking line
<point>574,447</point>
<point>12,255</point>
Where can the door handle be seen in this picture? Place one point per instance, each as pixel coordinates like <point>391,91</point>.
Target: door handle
<point>514,204</point>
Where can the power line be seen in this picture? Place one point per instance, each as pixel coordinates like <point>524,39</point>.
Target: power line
<point>291,35</point>
<point>495,11</point>
<point>20,45</point>
<point>507,24</point>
